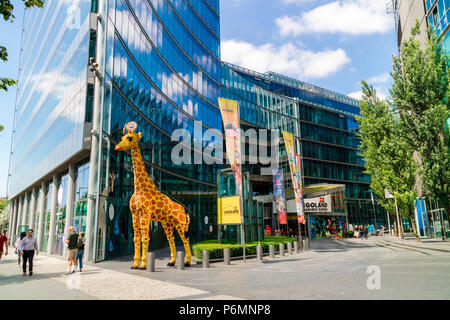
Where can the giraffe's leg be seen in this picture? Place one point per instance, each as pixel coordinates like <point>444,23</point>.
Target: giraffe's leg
<point>187,248</point>
<point>173,254</point>
<point>145,226</point>
<point>137,239</point>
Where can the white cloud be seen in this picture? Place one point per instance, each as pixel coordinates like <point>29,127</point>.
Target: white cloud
<point>288,59</point>
<point>358,94</point>
<point>355,17</point>
<point>382,78</point>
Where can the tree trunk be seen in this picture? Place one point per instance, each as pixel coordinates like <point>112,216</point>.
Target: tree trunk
<point>395,229</point>
<point>412,220</point>
<point>402,232</point>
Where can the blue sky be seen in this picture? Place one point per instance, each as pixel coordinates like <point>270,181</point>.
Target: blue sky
<point>332,44</point>
<point>10,34</point>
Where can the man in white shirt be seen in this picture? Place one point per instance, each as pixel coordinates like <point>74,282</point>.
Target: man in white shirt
<point>27,247</point>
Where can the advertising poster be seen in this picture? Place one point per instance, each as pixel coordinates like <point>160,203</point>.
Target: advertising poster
<point>289,142</point>
<point>279,195</point>
<point>230,118</point>
<point>229,211</point>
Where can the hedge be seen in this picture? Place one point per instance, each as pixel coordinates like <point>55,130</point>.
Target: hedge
<point>216,250</point>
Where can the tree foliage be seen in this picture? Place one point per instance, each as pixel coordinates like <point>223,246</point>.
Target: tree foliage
<point>7,11</point>
<point>387,153</point>
<point>4,214</point>
<point>421,96</point>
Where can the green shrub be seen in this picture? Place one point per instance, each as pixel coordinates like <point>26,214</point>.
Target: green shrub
<point>349,234</point>
<point>216,250</point>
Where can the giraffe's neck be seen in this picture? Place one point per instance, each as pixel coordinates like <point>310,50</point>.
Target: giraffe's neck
<point>140,173</point>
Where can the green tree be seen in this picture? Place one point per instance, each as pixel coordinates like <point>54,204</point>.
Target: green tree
<point>4,214</point>
<point>7,11</point>
<point>387,153</point>
<point>420,93</point>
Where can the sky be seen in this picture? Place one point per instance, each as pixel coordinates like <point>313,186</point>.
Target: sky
<point>332,44</point>
<point>10,35</point>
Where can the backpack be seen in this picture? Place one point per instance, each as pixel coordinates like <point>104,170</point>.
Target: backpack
<point>79,242</point>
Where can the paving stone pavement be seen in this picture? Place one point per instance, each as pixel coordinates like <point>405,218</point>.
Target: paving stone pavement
<point>332,269</point>
<point>50,281</point>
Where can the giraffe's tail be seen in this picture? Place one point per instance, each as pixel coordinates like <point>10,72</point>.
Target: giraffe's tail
<point>186,227</point>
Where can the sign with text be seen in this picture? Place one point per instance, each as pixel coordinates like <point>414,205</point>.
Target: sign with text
<point>228,210</point>
<point>319,204</point>
<point>279,196</point>
<point>230,117</point>
<point>295,174</point>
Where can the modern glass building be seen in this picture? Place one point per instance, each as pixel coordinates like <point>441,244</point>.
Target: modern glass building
<point>324,127</point>
<point>438,17</point>
<point>429,13</point>
<point>157,62</point>
<point>158,65</point>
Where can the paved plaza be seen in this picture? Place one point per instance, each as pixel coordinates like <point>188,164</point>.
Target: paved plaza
<point>378,268</point>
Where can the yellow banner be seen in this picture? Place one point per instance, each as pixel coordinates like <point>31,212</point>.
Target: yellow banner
<point>290,150</point>
<point>230,118</point>
<point>228,210</point>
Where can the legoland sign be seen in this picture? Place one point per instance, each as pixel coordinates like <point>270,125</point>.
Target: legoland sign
<point>320,204</point>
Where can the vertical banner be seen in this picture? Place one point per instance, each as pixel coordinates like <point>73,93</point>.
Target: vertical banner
<point>229,111</point>
<point>279,195</point>
<point>230,117</point>
<point>295,173</point>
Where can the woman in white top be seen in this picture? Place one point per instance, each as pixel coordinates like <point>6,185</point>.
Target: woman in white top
<point>22,235</point>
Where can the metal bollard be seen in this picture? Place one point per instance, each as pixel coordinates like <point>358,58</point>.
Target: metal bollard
<point>300,244</point>
<point>151,261</point>
<point>295,246</point>
<point>180,260</point>
<point>259,252</point>
<point>289,248</point>
<point>281,245</point>
<point>271,251</point>
<point>205,259</point>
<point>306,244</point>
<point>226,256</point>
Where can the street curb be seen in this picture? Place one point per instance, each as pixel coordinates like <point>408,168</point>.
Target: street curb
<point>417,247</point>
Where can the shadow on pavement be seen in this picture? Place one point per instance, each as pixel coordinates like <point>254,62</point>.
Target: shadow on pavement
<point>19,278</point>
<point>8,261</point>
<point>283,260</point>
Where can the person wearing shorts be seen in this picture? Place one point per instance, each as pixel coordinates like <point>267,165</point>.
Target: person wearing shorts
<point>72,240</point>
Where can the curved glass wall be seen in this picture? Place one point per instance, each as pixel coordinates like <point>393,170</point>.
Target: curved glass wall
<point>163,72</point>
<point>52,90</point>
<point>60,217</point>
<point>81,192</point>
<point>47,212</point>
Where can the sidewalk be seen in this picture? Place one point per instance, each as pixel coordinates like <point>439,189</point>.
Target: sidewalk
<point>431,244</point>
<point>50,282</point>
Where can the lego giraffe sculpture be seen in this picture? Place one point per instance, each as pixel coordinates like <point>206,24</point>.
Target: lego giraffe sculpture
<point>147,204</point>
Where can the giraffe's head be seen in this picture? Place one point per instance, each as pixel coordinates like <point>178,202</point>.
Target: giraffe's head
<point>129,140</point>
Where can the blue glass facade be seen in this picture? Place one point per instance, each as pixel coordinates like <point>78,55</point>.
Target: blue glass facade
<point>324,126</point>
<point>52,90</point>
<point>438,17</point>
<point>163,71</point>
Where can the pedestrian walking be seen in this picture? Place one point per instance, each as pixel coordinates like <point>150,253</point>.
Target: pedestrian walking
<point>3,242</point>
<point>72,240</point>
<point>28,246</point>
<point>23,234</point>
<point>80,252</point>
<point>366,231</point>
